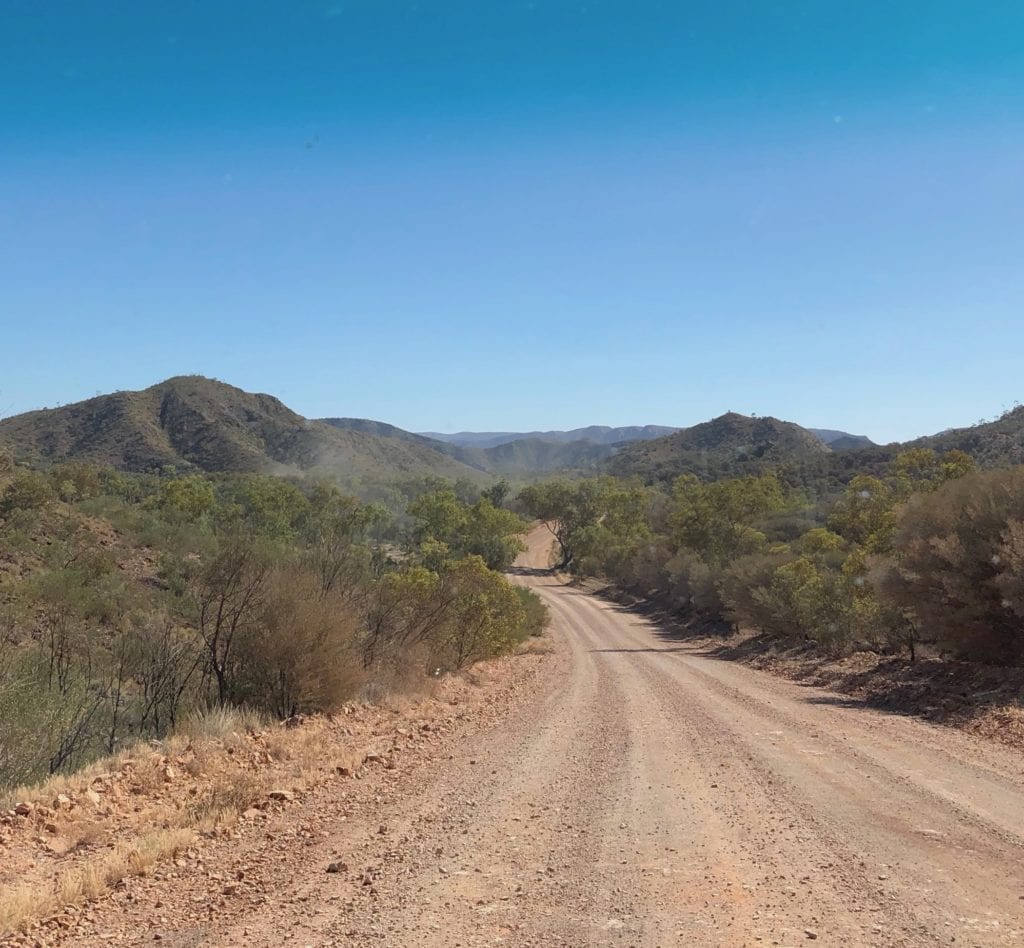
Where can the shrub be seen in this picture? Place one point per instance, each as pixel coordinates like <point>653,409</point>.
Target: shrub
<point>27,491</point>
<point>956,565</point>
<point>301,653</point>
<point>745,589</point>
<point>536,614</point>
<point>693,584</point>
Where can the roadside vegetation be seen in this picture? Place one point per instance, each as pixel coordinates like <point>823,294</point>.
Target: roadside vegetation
<point>130,603</point>
<point>924,555</point>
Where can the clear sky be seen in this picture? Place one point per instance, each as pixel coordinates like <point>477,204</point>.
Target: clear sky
<point>514,215</point>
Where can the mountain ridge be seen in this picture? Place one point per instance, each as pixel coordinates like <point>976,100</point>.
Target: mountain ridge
<point>192,422</point>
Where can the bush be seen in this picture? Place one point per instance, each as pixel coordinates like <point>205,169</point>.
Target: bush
<point>27,491</point>
<point>957,565</point>
<point>301,653</point>
<point>746,590</point>
<point>693,584</point>
<point>536,614</point>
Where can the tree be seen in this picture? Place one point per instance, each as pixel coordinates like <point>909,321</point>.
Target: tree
<point>334,528</point>
<point>227,595</point>
<point>865,513</point>
<point>567,510</point>
<point>717,520</point>
<point>923,469</point>
<point>498,493</point>
<point>444,523</point>
<point>192,497</point>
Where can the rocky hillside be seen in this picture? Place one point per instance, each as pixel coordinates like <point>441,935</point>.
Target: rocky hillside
<point>194,422</point>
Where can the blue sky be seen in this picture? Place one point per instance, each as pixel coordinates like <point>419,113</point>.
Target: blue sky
<point>503,215</point>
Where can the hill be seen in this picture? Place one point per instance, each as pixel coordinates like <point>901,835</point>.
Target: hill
<point>726,446</point>
<point>998,443</point>
<point>195,422</point>
<point>596,434</point>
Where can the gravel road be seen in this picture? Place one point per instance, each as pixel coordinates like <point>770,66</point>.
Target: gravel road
<point>642,793</point>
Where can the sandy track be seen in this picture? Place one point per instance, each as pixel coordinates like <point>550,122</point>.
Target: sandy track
<point>641,793</point>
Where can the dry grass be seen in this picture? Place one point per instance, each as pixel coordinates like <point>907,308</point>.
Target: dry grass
<point>21,904</point>
<point>57,784</point>
<point>536,645</point>
<point>223,724</point>
<point>231,793</point>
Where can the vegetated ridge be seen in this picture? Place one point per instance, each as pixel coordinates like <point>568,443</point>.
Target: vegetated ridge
<point>191,422</point>
<point>728,445</point>
<point>997,443</point>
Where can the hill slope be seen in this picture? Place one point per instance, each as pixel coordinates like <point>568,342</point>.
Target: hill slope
<point>726,446</point>
<point>195,422</point>
<point>998,443</point>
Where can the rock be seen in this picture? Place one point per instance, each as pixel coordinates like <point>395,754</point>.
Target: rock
<point>63,802</point>
<point>25,809</point>
<point>810,933</point>
<point>333,867</point>
<point>252,813</point>
<point>169,773</point>
<point>93,797</point>
<point>285,796</point>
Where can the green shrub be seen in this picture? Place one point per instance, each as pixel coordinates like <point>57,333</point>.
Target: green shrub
<point>26,491</point>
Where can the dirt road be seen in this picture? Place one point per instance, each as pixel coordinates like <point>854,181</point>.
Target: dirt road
<point>644,794</point>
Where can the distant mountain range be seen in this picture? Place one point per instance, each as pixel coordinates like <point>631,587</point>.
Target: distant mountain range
<point>514,458</point>
<point>599,434</point>
<point>195,423</point>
